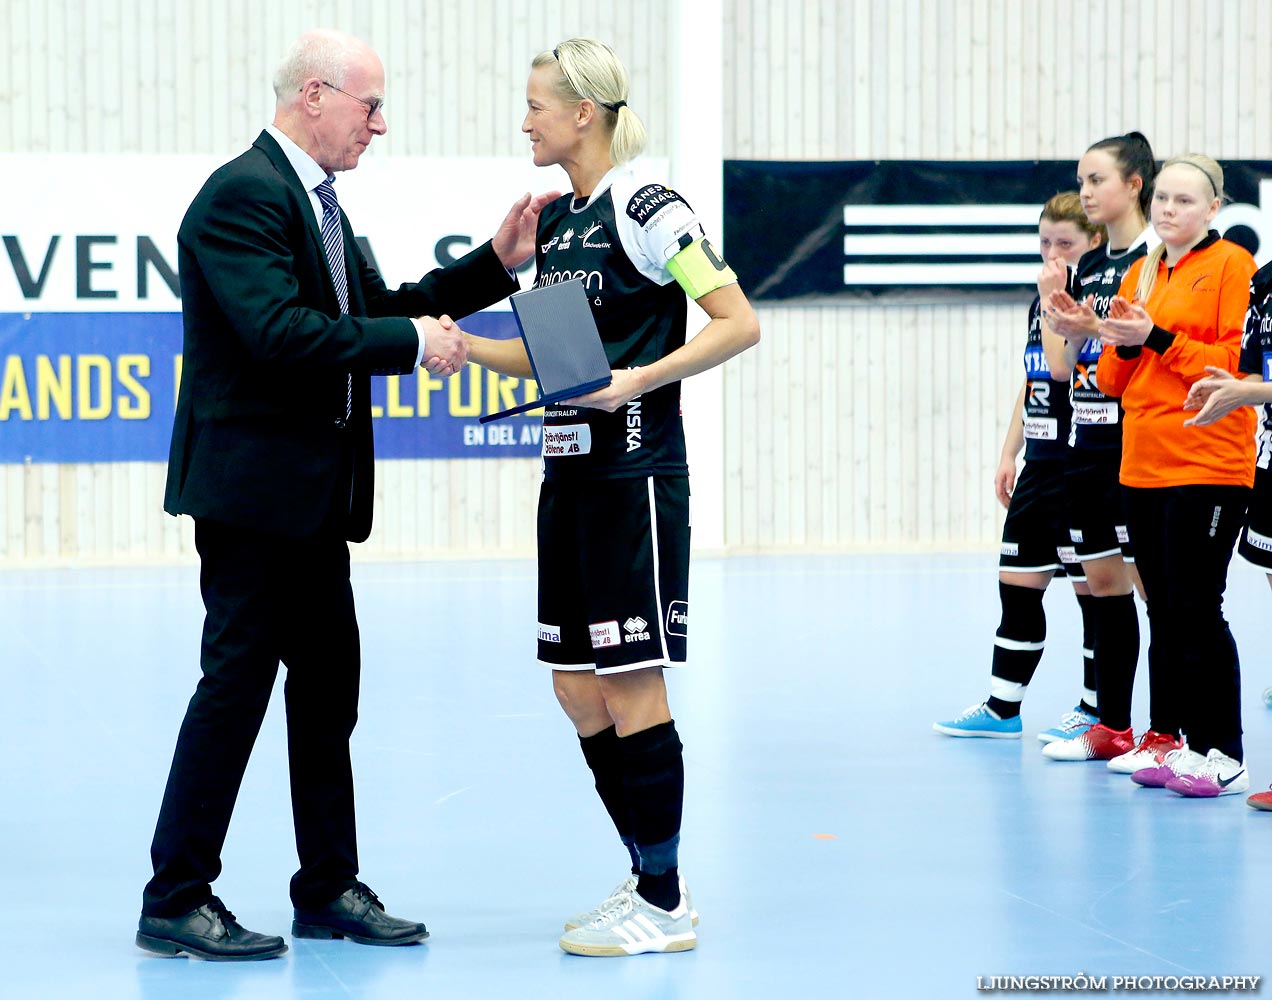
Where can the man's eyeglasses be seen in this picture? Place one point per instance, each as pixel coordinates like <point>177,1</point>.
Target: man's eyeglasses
<point>372,106</point>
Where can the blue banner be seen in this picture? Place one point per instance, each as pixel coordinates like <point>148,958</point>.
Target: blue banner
<point>101,387</point>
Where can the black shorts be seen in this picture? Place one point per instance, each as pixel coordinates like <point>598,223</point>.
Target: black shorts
<point>1255,543</point>
<point>1036,532</point>
<point>614,573</point>
<point>1097,515</point>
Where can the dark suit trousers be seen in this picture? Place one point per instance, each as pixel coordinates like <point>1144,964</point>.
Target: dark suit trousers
<point>268,599</point>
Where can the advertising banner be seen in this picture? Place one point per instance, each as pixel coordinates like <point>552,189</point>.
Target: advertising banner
<point>908,230</point>
<point>90,325</point>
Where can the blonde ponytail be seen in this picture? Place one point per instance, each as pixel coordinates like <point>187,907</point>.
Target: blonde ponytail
<point>1148,272</point>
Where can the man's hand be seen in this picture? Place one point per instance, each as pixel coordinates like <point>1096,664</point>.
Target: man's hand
<point>513,242</point>
<point>445,349</point>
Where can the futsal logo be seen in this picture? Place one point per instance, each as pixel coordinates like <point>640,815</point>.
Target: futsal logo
<point>678,618</point>
<point>636,630</point>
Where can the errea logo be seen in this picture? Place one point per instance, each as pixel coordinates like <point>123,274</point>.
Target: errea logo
<point>636,630</point>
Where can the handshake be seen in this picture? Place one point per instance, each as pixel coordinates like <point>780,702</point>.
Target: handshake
<point>445,347</point>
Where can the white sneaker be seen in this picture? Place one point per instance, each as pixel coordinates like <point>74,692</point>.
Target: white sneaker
<point>622,889</point>
<point>632,926</point>
<point>1149,752</point>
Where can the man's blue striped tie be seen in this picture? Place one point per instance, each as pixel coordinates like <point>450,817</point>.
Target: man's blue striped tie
<point>333,243</point>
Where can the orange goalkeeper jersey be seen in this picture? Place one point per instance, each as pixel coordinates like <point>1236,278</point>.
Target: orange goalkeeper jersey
<point>1198,309</point>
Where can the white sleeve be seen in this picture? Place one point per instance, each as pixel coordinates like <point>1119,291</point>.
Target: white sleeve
<point>654,224</point>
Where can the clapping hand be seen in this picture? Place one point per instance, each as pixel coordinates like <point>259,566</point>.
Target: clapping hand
<point>1072,320</point>
<point>1127,324</point>
<point>1214,397</point>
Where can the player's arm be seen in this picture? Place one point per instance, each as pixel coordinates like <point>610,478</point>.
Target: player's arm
<point>507,357</point>
<point>733,327</point>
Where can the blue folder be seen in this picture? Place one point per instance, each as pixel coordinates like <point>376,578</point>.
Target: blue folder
<point>563,343</point>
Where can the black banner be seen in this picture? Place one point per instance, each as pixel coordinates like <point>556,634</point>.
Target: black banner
<point>918,230</point>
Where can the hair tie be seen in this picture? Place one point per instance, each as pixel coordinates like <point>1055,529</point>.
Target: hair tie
<point>615,106</point>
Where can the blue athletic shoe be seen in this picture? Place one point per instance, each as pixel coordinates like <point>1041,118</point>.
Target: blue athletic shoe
<point>1071,724</point>
<point>980,721</point>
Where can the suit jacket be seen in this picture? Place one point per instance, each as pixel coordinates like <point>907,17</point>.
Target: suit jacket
<point>256,442</point>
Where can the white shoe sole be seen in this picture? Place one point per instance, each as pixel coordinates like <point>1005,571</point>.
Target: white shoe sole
<point>950,731</point>
<point>659,945</point>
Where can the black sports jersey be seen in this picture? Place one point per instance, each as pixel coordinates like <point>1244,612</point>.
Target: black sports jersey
<point>1256,351</point>
<point>618,242</point>
<point>1047,408</point>
<point>1097,418</point>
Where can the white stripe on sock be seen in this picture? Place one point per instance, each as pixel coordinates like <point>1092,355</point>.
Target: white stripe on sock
<point>1006,690</point>
<point>1017,645</point>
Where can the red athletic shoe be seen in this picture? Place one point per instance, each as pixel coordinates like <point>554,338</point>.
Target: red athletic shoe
<point>1260,800</point>
<point>1097,743</point>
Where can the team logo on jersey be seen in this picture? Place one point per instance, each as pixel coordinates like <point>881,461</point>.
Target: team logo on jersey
<point>587,237</point>
<point>1123,536</point>
<point>678,618</point>
<point>604,634</point>
<point>649,201</point>
<point>545,247</point>
<point>593,281</point>
<point>565,239</point>
<point>636,629</point>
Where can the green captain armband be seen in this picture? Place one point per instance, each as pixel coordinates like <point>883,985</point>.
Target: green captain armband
<point>699,270</point>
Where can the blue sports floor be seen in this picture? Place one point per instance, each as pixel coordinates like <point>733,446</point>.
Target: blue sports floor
<point>835,845</point>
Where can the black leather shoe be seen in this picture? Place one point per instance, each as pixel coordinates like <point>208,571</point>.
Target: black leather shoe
<point>359,916</point>
<point>209,932</point>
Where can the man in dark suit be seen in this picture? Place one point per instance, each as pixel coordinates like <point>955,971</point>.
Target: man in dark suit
<point>285,322</point>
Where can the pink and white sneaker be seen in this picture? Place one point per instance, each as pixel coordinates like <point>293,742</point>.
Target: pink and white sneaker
<point>1176,763</point>
<point>1219,775</point>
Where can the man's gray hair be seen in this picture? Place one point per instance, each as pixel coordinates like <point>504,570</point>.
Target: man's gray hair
<point>321,53</point>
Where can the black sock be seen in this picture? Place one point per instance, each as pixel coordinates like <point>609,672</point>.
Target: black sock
<point>662,890</point>
<point>654,777</point>
<point>1090,701</point>
<point>1116,654</point>
<point>1018,644</point>
<point>606,761</point>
